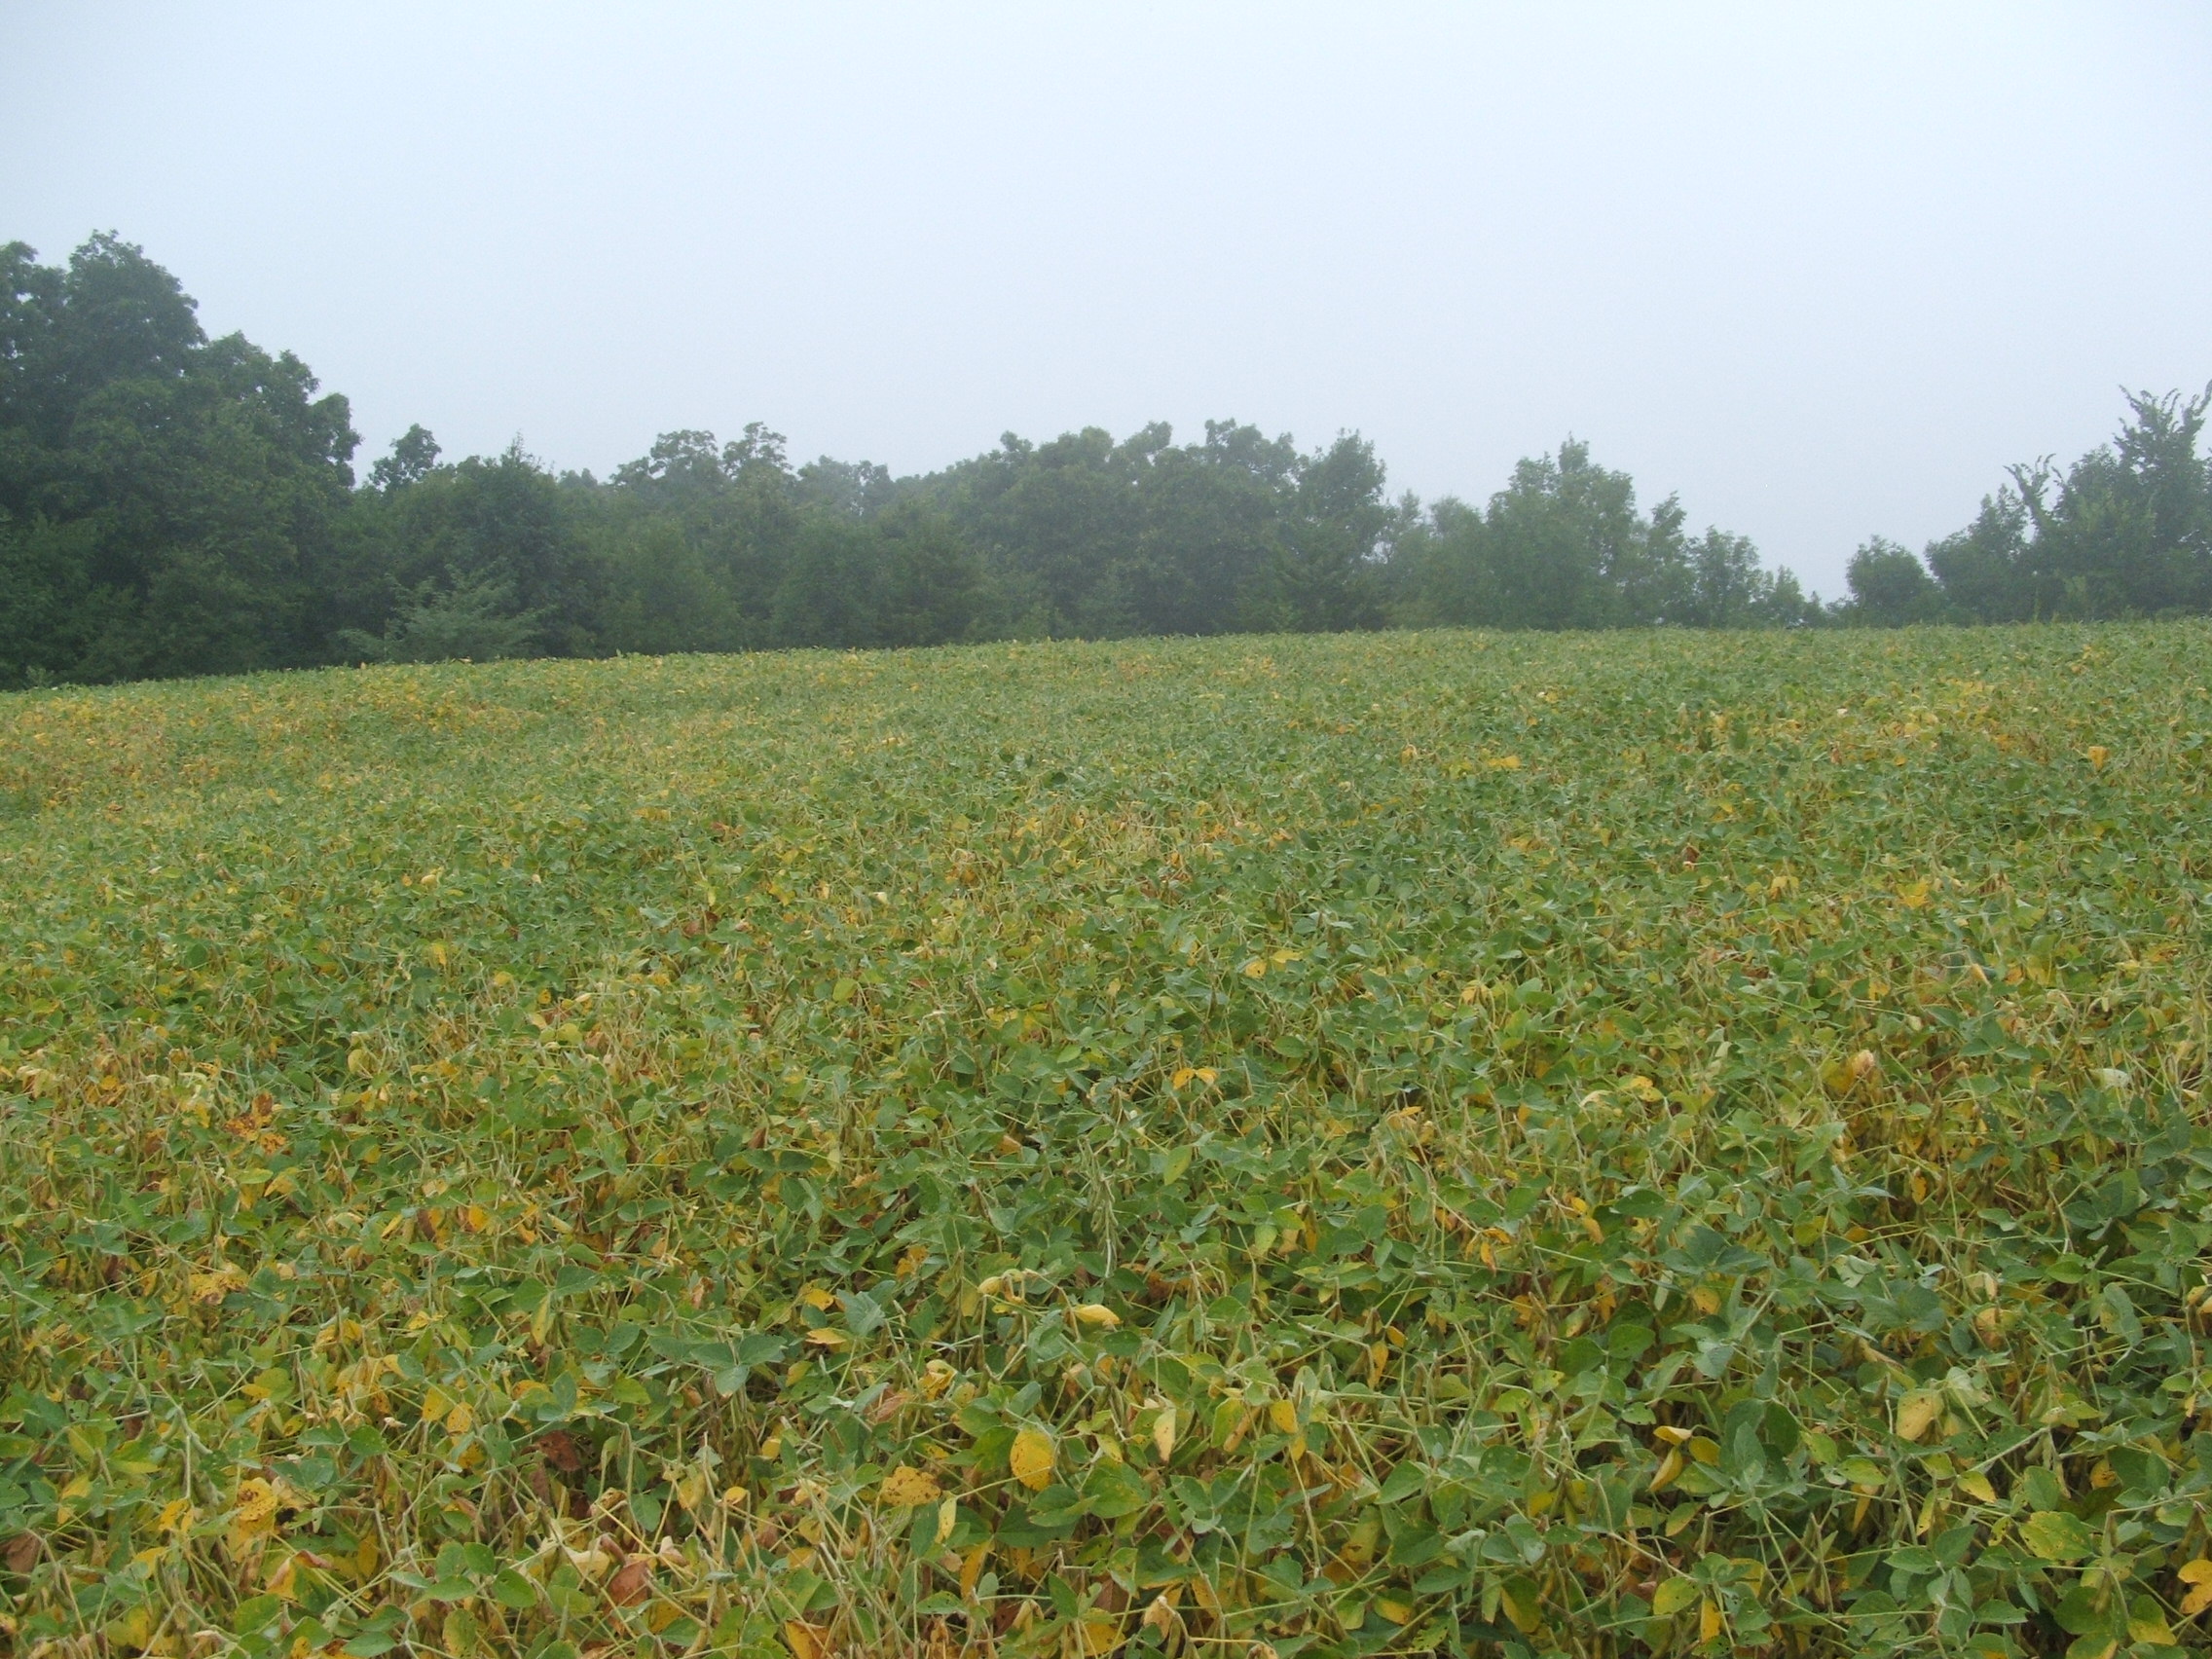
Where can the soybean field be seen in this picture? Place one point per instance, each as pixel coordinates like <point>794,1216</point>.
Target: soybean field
<point>1600,1145</point>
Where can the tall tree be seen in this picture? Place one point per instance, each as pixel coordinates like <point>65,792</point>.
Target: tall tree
<point>2128,529</point>
<point>1330,543</point>
<point>1890,587</point>
<point>171,496</point>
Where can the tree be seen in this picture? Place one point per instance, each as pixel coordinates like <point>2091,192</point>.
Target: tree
<point>171,503</point>
<point>737,505</point>
<point>829,592</point>
<point>1562,545</point>
<point>173,494</point>
<point>413,454</point>
<point>1210,515</point>
<point>1986,570</point>
<point>504,529</point>
<point>660,594</point>
<point>1727,587</point>
<point>2128,531</point>
<point>930,586</point>
<point>475,620</point>
<point>1324,572</point>
<point>1890,587</point>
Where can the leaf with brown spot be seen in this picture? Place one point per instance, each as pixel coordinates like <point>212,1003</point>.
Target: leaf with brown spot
<point>906,1487</point>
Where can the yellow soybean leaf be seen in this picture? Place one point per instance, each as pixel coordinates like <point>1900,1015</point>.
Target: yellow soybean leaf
<point>972,1568</point>
<point>805,1640</point>
<point>1917,1413</point>
<point>136,1629</point>
<point>1503,763</point>
<point>1164,1433</point>
<point>1097,1314</point>
<point>1160,1614</point>
<point>1975,1484</point>
<point>1282,1416</point>
<point>1031,1458</point>
<point>1672,1597</point>
<point>2197,1576</point>
<point>460,1420</point>
<point>254,1514</point>
<point>2147,1623</point>
<point>1708,1622</point>
<point>2055,1535</point>
<point>692,1488</point>
<point>906,1487</point>
<point>212,1286</point>
<point>947,1513</point>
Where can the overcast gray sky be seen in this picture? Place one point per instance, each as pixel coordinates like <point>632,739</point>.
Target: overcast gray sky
<point>1823,270</point>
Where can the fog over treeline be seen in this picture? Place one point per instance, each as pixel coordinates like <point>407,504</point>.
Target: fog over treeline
<point>172,505</point>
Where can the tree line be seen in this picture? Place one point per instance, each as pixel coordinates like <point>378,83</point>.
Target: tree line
<point>174,504</point>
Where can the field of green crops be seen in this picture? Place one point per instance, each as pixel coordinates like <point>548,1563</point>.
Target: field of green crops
<point>1594,1145</point>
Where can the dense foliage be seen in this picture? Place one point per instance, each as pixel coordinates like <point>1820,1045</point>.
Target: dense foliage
<point>2126,532</point>
<point>172,505</point>
<point>168,504</point>
<point>1437,1142</point>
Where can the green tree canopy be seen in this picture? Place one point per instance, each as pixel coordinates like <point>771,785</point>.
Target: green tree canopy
<point>176,504</point>
<point>2127,531</point>
<point>166,501</point>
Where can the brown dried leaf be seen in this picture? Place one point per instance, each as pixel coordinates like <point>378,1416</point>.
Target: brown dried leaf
<point>632,1582</point>
<point>558,1448</point>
